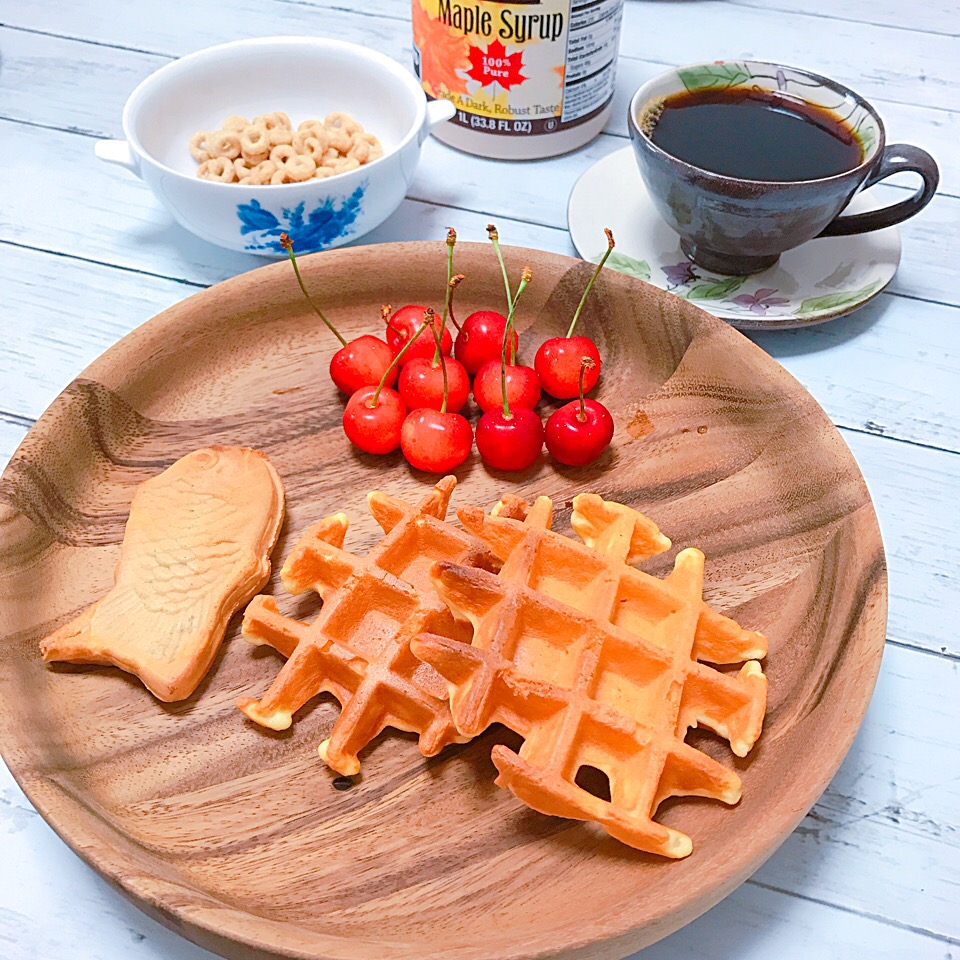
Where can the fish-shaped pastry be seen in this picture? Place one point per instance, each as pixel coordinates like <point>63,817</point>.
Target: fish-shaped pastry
<point>195,549</point>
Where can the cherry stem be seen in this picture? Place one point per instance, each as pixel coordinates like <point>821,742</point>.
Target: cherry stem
<point>596,273</point>
<point>451,243</point>
<point>287,245</point>
<point>430,317</point>
<point>454,282</point>
<point>586,363</point>
<point>386,373</point>
<point>525,278</point>
<point>495,240</point>
<point>385,312</point>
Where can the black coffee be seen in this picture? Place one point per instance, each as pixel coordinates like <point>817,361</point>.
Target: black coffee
<point>756,135</point>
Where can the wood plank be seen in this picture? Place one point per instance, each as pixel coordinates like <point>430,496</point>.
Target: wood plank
<point>12,431</point>
<point>127,226</point>
<point>915,492</point>
<point>67,83</point>
<point>891,816</point>
<point>881,369</point>
<point>42,74</point>
<point>938,16</point>
<point>909,57</point>
<point>756,924</point>
<point>41,85</point>
<point>154,30</point>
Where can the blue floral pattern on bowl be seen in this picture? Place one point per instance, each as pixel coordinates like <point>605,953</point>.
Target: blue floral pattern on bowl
<point>330,221</point>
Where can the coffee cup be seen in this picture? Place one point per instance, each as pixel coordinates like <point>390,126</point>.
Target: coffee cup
<point>732,220</point>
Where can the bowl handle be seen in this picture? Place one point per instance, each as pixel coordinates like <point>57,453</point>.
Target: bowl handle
<point>118,152</point>
<point>438,111</point>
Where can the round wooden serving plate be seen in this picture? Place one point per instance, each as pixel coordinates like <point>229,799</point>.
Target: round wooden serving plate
<point>234,835</point>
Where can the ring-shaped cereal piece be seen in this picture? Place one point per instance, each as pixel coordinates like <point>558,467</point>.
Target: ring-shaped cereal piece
<point>266,169</point>
<point>280,176</point>
<point>280,135</point>
<point>282,153</point>
<point>343,121</point>
<point>300,168</point>
<point>345,164</point>
<point>313,148</point>
<point>360,151</point>
<point>262,172</point>
<point>254,158</point>
<point>219,169</point>
<point>235,123</point>
<point>198,146</point>
<point>321,173</point>
<point>223,144</point>
<point>339,140</point>
<point>311,128</point>
<point>255,139</point>
<point>273,120</point>
<point>376,149</point>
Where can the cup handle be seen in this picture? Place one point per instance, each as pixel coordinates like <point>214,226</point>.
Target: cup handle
<point>437,112</point>
<point>896,158</point>
<point>118,152</point>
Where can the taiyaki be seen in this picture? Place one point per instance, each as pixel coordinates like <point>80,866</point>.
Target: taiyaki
<point>195,549</point>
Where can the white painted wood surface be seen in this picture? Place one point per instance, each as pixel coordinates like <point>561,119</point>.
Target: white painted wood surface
<point>86,254</point>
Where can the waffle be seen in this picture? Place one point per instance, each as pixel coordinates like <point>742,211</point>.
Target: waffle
<point>358,647</point>
<point>195,548</point>
<point>595,664</point>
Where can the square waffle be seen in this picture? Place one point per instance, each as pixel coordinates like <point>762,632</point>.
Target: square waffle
<point>596,664</point>
<point>358,647</point>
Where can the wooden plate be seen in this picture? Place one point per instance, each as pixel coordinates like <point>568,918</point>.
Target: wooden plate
<point>234,835</point>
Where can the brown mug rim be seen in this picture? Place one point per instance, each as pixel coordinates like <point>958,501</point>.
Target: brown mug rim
<point>863,166</point>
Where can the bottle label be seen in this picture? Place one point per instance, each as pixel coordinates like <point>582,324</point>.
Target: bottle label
<point>518,68</point>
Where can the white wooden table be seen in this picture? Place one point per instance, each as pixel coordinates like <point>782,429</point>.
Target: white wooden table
<point>87,254</point>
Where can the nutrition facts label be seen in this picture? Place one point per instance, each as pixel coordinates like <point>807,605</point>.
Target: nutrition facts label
<point>593,34</point>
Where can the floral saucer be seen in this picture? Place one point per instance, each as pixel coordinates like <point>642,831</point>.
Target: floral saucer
<point>817,281</point>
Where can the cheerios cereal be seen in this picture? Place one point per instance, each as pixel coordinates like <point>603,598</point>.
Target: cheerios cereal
<point>267,149</point>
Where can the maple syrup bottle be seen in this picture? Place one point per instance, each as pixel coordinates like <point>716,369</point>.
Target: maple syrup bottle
<point>529,78</point>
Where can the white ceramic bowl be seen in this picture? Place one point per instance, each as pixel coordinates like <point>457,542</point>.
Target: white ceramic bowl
<point>304,77</point>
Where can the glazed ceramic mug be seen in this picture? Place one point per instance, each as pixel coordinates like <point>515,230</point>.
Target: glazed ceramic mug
<point>735,225</point>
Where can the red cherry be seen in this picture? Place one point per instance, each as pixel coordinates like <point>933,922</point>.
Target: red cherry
<point>481,339</point>
<point>523,386</point>
<point>574,441</point>
<point>434,441</point>
<point>558,363</point>
<point>403,325</point>
<point>510,441</point>
<point>374,428</point>
<point>362,363</point>
<point>421,384</point>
